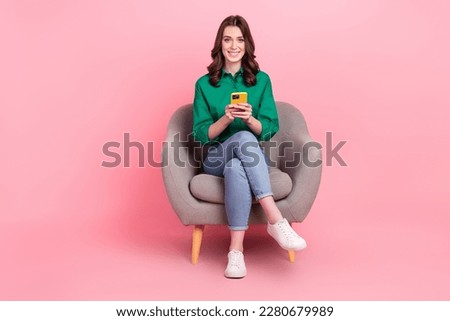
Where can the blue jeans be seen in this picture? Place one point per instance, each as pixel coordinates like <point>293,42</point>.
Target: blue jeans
<point>245,170</point>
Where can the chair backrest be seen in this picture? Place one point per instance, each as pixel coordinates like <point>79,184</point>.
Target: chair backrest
<point>179,131</point>
<point>291,121</point>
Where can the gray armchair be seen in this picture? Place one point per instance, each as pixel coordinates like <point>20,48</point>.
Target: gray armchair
<point>197,198</point>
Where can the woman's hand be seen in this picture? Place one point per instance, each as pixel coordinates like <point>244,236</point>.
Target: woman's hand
<point>243,111</point>
<point>229,110</point>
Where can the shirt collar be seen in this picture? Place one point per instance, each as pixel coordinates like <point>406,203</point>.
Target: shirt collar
<point>239,72</point>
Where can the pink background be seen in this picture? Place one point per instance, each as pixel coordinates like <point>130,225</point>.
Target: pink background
<point>77,74</point>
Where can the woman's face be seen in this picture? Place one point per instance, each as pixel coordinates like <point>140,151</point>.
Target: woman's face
<point>233,45</point>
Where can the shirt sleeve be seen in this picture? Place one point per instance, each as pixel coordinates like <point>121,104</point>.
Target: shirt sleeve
<point>267,113</point>
<point>202,118</point>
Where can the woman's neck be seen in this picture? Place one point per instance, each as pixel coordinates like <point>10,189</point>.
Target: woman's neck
<point>233,68</point>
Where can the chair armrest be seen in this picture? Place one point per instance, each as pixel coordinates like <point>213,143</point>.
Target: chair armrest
<point>305,172</point>
<point>179,164</point>
<point>301,158</point>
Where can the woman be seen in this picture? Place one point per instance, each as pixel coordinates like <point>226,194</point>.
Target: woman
<point>234,132</point>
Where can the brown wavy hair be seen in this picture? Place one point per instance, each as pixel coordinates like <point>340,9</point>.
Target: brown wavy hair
<point>249,64</point>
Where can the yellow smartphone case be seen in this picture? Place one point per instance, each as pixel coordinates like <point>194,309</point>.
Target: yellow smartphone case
<point>238,97</point>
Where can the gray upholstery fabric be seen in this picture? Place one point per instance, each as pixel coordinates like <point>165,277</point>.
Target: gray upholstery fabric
<point>210,188</point>
<point>287,148</point>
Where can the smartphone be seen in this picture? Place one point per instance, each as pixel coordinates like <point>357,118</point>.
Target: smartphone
<point>238,98</point>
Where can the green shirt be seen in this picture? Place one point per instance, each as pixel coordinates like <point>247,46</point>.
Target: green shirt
<point>210,102</point>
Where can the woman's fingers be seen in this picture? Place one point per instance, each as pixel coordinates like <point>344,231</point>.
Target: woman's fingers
<point>229,111</point>
<point>245,106</point>
<point>243,115</point>
<point>243,110</point>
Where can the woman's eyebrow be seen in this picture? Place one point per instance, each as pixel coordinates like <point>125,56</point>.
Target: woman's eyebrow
<point>240,37</point>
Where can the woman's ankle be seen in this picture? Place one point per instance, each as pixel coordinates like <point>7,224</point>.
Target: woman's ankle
<point>274,217</point>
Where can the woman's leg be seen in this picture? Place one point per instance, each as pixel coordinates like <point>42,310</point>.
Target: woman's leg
<point>279,228</point>
<point>237,240</point>
<point>242,163</point>
<point>221,161</point>
<point>236,265</point>
<point>238,201</point>
<point>271,210</point>
<point>245,147</point>
<point>238,195</point>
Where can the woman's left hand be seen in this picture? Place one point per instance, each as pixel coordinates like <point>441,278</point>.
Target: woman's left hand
<point>243,111</point>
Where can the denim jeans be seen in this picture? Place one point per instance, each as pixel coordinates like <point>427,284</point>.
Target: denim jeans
<point>245,170</point>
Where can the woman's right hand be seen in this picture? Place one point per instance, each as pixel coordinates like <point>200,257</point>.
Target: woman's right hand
<point>229,111</point>
<point>222,123</point>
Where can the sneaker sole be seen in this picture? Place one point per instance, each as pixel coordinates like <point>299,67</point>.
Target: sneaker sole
<point>235,277</point>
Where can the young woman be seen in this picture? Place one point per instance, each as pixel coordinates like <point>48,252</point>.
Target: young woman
<point>234,132</point>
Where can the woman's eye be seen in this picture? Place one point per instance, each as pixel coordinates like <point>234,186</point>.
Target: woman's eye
<point>241,40</point>
<point>226,40</point>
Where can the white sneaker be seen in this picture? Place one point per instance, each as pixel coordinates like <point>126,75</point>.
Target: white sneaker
<point>286,237</point>
<point>236,265</point>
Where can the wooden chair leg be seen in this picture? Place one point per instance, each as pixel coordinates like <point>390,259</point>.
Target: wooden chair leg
<point>196,242</point>
<point>291,256</point>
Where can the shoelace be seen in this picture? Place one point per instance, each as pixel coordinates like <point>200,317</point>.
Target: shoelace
<point>234,258</point>
<point>287,230</point>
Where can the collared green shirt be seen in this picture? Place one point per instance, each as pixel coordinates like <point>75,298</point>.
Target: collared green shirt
<point>210,103</point>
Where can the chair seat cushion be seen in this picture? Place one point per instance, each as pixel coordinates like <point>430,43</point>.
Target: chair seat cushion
<point>210,188</point>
